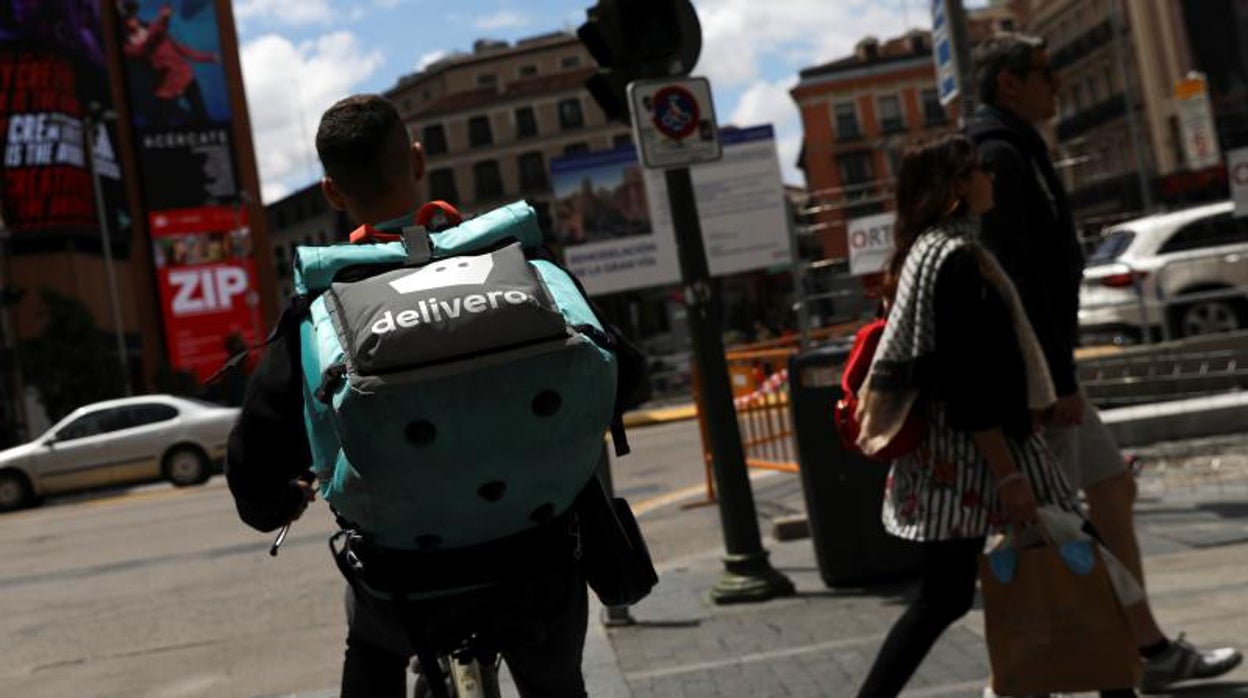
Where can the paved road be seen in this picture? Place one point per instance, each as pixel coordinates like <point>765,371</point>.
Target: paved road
<point>162,593</point>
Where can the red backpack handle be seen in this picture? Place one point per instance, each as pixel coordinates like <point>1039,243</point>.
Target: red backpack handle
<point>433,216</point>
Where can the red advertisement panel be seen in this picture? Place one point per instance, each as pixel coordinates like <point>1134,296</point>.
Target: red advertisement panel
<point>207,281</point>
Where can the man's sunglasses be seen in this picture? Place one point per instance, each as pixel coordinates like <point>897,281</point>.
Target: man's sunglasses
<point>1046,71</point>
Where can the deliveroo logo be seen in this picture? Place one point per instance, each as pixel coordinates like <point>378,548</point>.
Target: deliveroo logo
<point>460,271</point>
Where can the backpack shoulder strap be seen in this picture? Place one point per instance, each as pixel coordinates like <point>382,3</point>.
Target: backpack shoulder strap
<point>287,322</point>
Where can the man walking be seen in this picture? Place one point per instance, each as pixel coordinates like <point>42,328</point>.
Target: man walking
<point>1031,231</point>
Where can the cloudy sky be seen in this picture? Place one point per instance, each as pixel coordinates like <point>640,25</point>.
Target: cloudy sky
<point>299,57</point>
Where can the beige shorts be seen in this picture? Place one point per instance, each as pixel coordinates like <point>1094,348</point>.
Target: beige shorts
<point>1086,452</point>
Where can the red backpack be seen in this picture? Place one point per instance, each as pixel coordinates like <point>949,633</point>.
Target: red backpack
<point>866,341</point>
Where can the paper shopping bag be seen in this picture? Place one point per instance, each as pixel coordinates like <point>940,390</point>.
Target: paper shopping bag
<point>1050,629</point>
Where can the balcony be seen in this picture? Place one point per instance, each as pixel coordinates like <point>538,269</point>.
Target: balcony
<point>1098,36</point>
<point>1088,119</point>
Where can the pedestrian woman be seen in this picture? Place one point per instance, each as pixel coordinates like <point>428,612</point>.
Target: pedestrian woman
<point>957,349</point>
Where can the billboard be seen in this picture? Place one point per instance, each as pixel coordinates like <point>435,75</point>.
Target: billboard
<point>180,108</point>
<point>613,222</point>
<point>52,67</point>
<point>179,102</point>
<point>602,222</point>
<point>206,275</point>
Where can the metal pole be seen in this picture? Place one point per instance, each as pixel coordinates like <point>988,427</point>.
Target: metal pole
<point>961,39</point>
<point>799,276</point>
<point>1117,25</point>
<point>748,576</point>
<point>91,123</point>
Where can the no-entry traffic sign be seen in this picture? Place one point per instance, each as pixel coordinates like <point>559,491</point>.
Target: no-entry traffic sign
<point>674,122</point>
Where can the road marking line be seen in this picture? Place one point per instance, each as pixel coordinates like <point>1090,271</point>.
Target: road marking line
<point>646,506</point>
<point>757,657</point>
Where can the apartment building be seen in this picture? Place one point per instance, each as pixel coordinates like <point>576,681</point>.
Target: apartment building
<point>491,120</point>
<point>1117,132</point>
<point>301,218</point>
<point>858,114</point>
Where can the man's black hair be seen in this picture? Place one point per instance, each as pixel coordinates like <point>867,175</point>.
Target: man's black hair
<point>1003,51</point>
<point>363,145</point>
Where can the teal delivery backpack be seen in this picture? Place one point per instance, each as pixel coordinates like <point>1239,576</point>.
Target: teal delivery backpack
<point>457,386</point>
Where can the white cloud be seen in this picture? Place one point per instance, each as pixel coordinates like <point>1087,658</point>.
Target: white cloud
<point>503,19</point>
<point>285,11</point>
<point>769,103</point>
<point>429,59</point>
<point>746,44</point>
<point>288,87</point>
<point>740,36</point>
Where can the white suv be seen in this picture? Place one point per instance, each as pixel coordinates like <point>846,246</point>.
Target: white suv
<point>1172,275</point>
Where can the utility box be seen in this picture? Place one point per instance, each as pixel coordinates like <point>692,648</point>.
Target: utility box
<point>844,490</point>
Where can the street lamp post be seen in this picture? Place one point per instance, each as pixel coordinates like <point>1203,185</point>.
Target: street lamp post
<point>95,118</point>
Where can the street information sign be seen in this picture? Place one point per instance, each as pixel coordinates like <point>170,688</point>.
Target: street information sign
<point>1200,135</point>
<point>1237,172</point>
<point>674,122</point>
<point>942,53</point>
<point>870,243</point>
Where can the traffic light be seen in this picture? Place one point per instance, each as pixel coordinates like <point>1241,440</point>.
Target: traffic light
<point>637,39</point>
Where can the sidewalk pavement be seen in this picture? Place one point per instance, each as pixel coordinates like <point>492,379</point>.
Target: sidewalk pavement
<point>1193,526</point>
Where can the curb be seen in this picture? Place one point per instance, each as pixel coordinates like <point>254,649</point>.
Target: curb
<point>664,415</point>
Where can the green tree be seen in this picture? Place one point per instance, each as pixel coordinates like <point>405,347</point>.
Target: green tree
<point>71,363</point>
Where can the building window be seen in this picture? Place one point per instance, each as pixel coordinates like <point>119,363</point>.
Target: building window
<point>570,114</point>
<point>526,123</point>
<point>527,71</point>
<point>487,79</point>
<point>570,62</point>
<point>489,182</point>
<point>578,147</point>
<point>933,112</point>
<point>855,172</point>
<point>442,185</point>
<point>433,137</point>
<point>479,133</point>
<point>847,121</point>
<point>891,120</point>
<point>533,172</point>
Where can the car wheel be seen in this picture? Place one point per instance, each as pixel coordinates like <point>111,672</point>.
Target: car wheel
<point>186,466</point>
<point>15,491</point>
<point>1208,317</point>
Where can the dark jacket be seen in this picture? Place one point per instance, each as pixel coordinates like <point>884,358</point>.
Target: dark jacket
<point>268,448</point>
<point>1032,233</point>
<point>978,370</point>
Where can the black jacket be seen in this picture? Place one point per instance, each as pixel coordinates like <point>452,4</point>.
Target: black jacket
<point>268,448</point>
<point>1032,233</point>
<point>978,369</point>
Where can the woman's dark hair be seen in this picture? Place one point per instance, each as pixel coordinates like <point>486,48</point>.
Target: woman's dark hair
<point>925,192</point>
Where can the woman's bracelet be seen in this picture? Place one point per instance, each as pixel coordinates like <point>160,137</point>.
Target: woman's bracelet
<point>1016,475</point>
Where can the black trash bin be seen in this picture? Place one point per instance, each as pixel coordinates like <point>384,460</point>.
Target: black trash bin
<point>844,490</point>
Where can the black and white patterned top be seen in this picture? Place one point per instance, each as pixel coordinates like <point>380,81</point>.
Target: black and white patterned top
<point>964,374</point>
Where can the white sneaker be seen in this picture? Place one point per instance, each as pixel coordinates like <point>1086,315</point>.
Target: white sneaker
<point>1182,661</point>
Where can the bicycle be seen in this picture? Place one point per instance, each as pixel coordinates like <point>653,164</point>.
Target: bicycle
<point>467,673</point>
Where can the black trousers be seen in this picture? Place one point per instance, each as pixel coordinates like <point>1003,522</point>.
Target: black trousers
<point>946,592</point>
<point>544,664</point>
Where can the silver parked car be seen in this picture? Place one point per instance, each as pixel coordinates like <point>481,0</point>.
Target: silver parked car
<point>1174,274</point>
<point>117,442</point>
